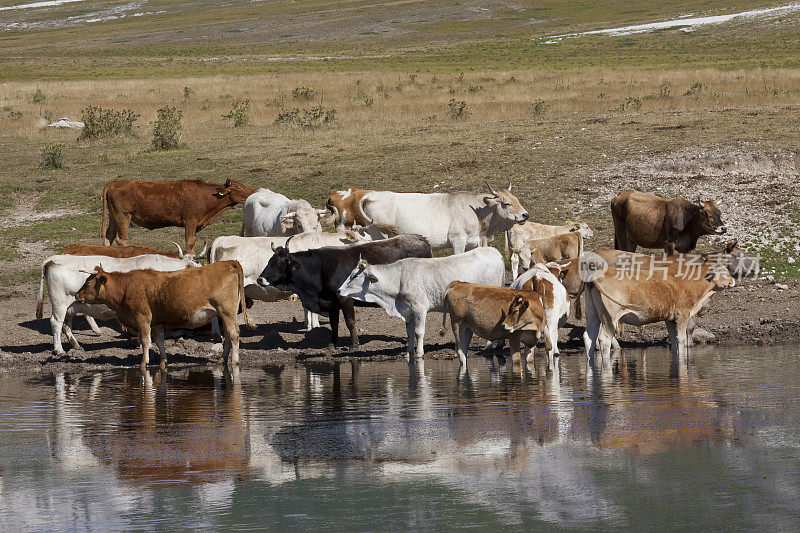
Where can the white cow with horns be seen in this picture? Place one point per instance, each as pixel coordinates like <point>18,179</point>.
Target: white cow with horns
<point>410,288</point>
<point>459,220</point>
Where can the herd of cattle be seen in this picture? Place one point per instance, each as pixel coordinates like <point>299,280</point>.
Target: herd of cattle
<point>380,254</point>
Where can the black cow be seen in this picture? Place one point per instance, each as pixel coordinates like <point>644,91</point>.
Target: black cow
<point>316,275</point>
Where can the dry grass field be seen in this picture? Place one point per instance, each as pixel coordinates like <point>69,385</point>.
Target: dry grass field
<point>568,141</point>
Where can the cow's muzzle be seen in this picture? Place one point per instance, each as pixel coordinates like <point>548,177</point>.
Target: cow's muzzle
<point>524,216</point>
<point>262,281</point>
<point>719,230</point>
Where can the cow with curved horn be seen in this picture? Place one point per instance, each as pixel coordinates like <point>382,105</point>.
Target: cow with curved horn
<point>458,220</point>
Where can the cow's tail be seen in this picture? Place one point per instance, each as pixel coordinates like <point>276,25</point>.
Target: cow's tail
<point>103,222</point>
<point>368,221</point>
<point>506,252</point>
<point>247,319</point>
<point>212,252</point>
<point>40,296</point>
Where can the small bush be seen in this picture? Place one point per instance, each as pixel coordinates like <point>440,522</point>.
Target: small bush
<point>435,80</point>
<point>167,128</point>
<point>412,78</point>
<point>99,122</point>
<point>38,97</point>
<point>239,113</point>
<point>457,108</point>
<point>539,106</point>
<point>52,156</point>
<point>307,118</point>
<point>631,103</point>
<point>48,116</point>
<point>475,88</point>
<point>15,115</point>
<point>696,89</point>
<point>278,101</point>
<point>187,93</point>
<point>366,102</point>
<point>225,96</point>
<point>303,93</point>
<point>460,77</point>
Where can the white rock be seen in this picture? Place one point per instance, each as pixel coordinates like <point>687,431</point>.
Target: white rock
<point>65,122</point>
<point>781,287</point>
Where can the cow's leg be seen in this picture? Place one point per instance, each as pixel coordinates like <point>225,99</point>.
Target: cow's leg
<point>314,320</point>
<point>552,333</point>
<point>514,260</point>
<point>349,312</point>
<point>215,331</point>
<point>67,328</point>
<point>513,345</point>
<point>189,233</point>
<point>333,314</point>
<point>144,338</point>
<point>592,326</point>
<point>420,318</point>
<point>689,330</point>
<point>57,324</point>
<point>462,344</point>
<point>158,335</point>
<point>410,333</point>
<point>459,244</point>
<point>230,350</point>
<point>122,223</point>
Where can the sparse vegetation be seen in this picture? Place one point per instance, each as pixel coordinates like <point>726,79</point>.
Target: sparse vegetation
<point>307,118</point>
<point>539,106</point>
<point>303,93</point>
<point>38,96</point>
<point>167,128</point>
<point>457,108</point>
<point>100,122</point>
<point>52,156</point>
<point>187,93</point>
<point>696,89</point>
<point>239,113</point>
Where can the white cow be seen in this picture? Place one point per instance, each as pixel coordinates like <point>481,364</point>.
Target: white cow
<point>517,236</point>
<point>64,275</point>
<point>554,300</point>
<point>271,214</point>
<point>253,253</point>
<point>410,288</point>
<point>461,220</point>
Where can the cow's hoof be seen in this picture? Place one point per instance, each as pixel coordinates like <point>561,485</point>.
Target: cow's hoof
<point>59,353</point>
<point>331,346</point>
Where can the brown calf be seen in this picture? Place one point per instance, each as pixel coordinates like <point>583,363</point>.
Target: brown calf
<point>149,300</point>
<point>494,313</point>
<point>190,204</point>
<point>343,206</point>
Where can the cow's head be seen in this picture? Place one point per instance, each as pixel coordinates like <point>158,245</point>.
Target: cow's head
<point>740,265</point>
<point>279,269</point>
<point>719,277</point>
<point>359,281</point>
<point>709,218</point>
<point>235,191</point>
<point>303,220</point>
<point>356,235</point>
<point>579,226</point>
<point>506,204</point>
<point>94,288</point>
<point>518,316</point>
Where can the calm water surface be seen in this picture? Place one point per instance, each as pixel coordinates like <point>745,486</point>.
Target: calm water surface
<point>376,446</point>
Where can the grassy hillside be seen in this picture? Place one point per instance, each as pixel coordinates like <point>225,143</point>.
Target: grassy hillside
<point>162,38</point>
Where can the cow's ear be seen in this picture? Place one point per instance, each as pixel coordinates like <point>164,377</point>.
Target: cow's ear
<point>227,183</point>
<point>562,275</point>
<point>491,200</point>
<point>294,265</point>
<point>321,213</point>
<point>680,212</point>
<point>101,279</point>
<point>372,277</point>
<point>287,220</point>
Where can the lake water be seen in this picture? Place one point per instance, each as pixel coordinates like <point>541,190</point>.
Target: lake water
<point>384,446</point>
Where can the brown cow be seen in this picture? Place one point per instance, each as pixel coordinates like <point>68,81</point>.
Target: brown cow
<point>494,313</point>
<point>564,246</point>
<point>147,299</point>
<point>612,299</point>
<point>343,206</point>
<point>642,219</point>
<point>518,235</point>
<point>190,204</point>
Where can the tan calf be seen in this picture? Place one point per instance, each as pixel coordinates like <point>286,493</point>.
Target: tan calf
<point>556,248</point>
<point>149,300</point>
<point>518,235</point>
<point>494,313</point>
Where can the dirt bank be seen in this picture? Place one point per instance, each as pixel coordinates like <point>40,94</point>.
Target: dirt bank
<point>753,312</point>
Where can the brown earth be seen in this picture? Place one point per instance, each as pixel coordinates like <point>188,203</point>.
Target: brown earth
<point>753,312</point>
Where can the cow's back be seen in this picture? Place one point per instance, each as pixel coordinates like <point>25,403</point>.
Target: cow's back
<point>157,204</point>
<point>113,251</point>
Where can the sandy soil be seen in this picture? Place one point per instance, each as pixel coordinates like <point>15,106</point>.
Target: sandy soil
<point>753,312</point>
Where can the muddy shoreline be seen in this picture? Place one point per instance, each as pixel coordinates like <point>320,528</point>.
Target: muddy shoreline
<point>755,312</point>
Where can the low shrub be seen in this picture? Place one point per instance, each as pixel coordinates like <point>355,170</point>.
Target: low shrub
<point>457,108</point>
<point>99,122</point>
<point>52,156</point>
<point>239,113</point>
<point>303,93</point>
<point>167,128</point>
